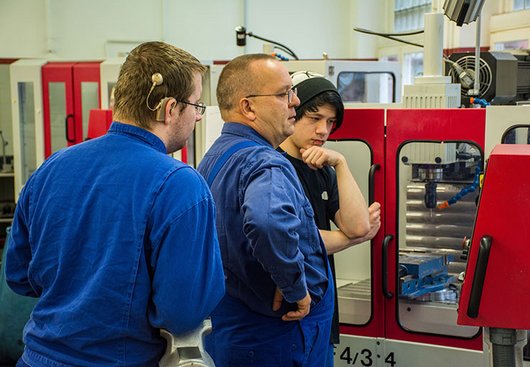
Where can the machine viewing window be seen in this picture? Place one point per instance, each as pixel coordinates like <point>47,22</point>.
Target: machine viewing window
<point>367,87</point>
<point>57,115</point>
<point>519,134</point>
<point>110,93</point>
<point>438,189</point>
<point>26,96</point>
<point>90,100</point>
<point>352,266</point>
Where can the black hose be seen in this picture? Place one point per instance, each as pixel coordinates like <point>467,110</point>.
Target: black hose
<point>391,35</point>
<point>286,49</point>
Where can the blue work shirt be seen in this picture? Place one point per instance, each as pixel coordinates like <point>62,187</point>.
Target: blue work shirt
<point>265,224</point>
<point>118,240</point>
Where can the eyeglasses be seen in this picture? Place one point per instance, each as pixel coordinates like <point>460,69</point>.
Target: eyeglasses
<point>199,107</point>
<point>290,93</point>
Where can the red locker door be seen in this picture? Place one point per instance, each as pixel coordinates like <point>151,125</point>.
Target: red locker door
<point>86,78</point>
<point>70,91</point>
<point>361,140</point>
<point>431,155</point>
<point>58,105</point>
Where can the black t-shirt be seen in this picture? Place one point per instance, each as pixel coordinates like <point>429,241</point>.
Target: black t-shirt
<point>320,187</point>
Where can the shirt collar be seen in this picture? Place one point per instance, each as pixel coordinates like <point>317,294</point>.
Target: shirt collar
<point>283,152</point>
<point>235,128</point>
<point>138,133</point>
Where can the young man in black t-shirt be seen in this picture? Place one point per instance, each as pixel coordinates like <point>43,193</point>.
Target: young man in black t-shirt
<point>324,174</point>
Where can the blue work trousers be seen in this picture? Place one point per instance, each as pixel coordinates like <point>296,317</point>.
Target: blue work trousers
<point>243,338</point>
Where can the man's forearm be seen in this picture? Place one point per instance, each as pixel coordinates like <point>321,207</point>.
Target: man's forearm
<point>352,217</point>
<point>336,241</point>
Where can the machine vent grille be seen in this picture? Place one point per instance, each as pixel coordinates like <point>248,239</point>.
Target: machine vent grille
<point>467,64</point>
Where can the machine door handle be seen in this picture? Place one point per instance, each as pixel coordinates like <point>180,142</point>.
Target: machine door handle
<point>478,278</point>
<point>371,182</point>
<point>386,242</point>
<point>67,130</point>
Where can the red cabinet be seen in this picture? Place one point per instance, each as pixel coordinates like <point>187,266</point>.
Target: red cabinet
<point>70,91</point>
<point>398,297</point>
<point>361,140</point>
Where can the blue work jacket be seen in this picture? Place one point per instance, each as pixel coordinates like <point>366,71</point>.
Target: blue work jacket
<point>265,224</point>
<point>117,239</point>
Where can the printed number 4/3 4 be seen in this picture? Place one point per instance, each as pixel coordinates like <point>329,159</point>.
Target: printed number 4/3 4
<point>364,358</point>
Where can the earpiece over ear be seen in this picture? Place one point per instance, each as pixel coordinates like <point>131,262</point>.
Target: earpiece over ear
<point>161,109</point>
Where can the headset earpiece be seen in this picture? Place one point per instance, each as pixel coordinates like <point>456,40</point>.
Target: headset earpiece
<point>157,79</point>
<point>161,109</point>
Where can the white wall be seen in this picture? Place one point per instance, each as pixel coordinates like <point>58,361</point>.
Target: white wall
<point>374,17</point>
<point>98,29</point>
<point>308,27</point>
<point>454,36</point>
<point>23,30</point>
<point>205,28</point>
<point>510,27</point>
<point>80,29</point>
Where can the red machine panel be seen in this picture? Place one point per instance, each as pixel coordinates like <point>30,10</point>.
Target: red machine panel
<point>497,283</point>
<point>99,123</point>
<point>428,130</point>
<point>367,125</point>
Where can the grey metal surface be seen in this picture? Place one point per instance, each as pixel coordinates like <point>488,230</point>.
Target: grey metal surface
<point>355,302</point>
<point>362,290</point>
<point>435,228</point>
<point>187,350</point>
<point>440,231</point>
<point>432,317</point>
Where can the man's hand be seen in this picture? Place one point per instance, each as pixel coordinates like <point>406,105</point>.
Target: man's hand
<point>317,157</point>
<point>374,211</point>
<point>277,300</point>
<point>304,306</point>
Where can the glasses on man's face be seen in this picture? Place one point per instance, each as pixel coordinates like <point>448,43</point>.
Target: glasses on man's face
<point>290,93</point>
<point>199,107</point>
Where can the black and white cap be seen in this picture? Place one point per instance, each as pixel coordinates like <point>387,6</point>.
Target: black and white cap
<point>309,85</point>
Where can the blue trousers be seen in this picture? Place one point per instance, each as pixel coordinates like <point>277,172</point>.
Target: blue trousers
<point>243,338</point>
<point>330,362</point>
